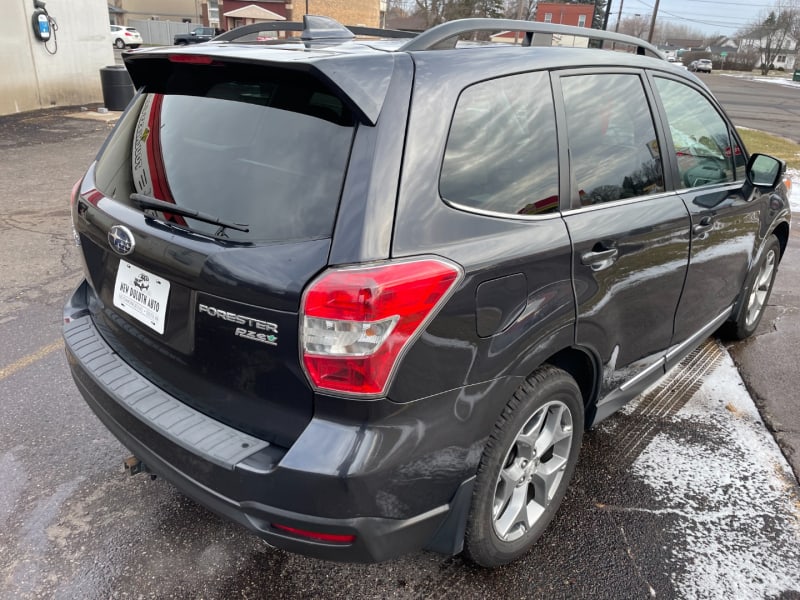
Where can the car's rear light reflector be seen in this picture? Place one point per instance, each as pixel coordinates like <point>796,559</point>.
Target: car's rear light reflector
<point>357,321</point>
<point>336,538</point>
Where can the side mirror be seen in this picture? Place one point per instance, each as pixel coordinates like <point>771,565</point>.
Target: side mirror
<point>765,171</point>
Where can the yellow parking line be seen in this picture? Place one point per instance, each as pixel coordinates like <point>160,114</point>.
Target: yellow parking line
<point>30,359</point>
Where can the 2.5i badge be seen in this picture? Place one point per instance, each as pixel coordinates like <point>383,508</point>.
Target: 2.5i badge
<point>253,329</point>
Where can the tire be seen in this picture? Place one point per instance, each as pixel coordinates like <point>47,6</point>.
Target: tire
<point>517,491</point>
<point>119,43</point>
<point>757,291</point>
<point>182,43</point>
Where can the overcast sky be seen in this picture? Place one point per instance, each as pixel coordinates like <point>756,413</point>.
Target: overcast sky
<point>708,16</point>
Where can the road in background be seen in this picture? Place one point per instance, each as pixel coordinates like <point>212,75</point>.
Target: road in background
<point>769,107</point>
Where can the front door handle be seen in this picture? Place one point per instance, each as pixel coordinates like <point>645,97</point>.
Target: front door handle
<point>599,259</point>
<point>703,226</point>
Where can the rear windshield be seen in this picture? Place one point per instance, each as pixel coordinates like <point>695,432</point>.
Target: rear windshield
<point>246,145</point>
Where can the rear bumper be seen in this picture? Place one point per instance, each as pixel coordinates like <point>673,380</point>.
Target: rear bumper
<point>240,477</point>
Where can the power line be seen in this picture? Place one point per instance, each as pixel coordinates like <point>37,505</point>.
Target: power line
<point>725,4</point>
<point>733,20</point>
<point>717,23</point>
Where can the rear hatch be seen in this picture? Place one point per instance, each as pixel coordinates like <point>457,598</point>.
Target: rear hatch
<point>206,306</point>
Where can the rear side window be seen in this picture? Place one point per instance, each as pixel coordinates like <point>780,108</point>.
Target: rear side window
<point>246,145</point>
<point>614,151</point>
<point>501,154</point>
<point>700,136</point>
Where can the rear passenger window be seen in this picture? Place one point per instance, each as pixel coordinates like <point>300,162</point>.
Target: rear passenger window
<point>501,154</point>
<point>614,152</point>
<point>700,135</point>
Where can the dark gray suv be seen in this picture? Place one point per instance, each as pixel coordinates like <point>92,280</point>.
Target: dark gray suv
<point>363,296</point>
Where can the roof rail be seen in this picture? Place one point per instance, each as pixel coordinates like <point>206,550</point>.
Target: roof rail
<point>238,32</point>
<point>436,36</point>
<point>313,28</point>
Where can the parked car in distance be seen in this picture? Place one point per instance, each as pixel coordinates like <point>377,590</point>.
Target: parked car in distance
<point>196,36</point>
<point>702,65</point>
<point>125,37</point>
<point>364,297</point>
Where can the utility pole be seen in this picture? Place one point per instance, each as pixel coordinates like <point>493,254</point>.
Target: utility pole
<point>619,15</point>
<point>653,22</point>
<point>519,17</point>
<point>605,18</point>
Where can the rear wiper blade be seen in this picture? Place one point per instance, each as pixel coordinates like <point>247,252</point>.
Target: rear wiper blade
<point>168,207</point>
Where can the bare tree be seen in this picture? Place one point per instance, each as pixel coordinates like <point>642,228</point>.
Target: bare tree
<point>636,26</point>
<point>439,11</point>
<point>639,26</point>
<point>521,9</point>
<point>773,34</point>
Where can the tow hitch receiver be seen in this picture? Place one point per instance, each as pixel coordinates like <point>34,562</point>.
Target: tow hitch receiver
<point>134,466</point>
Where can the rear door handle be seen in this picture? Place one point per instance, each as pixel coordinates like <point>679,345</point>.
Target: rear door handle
<point>599,259</point>
<point>703,226</point>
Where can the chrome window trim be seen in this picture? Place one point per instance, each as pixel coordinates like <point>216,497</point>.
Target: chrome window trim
<point>502,215</point>
<point>622,202</point>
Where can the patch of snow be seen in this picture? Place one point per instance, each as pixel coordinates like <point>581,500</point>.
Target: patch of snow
<point>778,81</point>
<point>774,80</point>
<point>794,197</point>
<point>737,502</point>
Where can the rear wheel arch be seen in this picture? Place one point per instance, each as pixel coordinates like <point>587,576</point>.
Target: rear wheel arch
<point>582,367</point>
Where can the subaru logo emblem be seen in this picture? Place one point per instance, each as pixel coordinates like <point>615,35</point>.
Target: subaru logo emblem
<point>121,240</point>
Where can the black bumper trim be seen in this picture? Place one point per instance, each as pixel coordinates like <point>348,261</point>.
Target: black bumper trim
<point>171,418</point>
<point>377,539</point>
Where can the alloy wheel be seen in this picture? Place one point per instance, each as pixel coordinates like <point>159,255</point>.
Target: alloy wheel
<point>532,470</point>
<point>758,295</point>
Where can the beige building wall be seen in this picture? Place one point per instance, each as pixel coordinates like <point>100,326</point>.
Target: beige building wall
<point>165,10</point>
<point>31,77</point>
<point>348,12</point>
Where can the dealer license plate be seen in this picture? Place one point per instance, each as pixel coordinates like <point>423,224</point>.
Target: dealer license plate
<point>142,295</point>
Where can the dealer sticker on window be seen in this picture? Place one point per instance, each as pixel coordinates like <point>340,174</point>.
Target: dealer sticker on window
<point>142,295</point>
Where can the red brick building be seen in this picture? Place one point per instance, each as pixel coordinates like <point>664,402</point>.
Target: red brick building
<point>348,12</point>
<point>558,13</point>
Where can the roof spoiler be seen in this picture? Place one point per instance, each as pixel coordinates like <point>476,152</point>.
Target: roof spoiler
<point>360,80</point>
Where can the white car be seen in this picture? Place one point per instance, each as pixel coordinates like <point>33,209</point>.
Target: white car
<point>701,66</point>
<point>125,37</point>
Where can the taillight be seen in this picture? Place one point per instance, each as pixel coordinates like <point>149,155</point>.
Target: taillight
<point>76,189</point>
<point>73,202</point>
<point>92,196</point>
<point>356,322</point>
